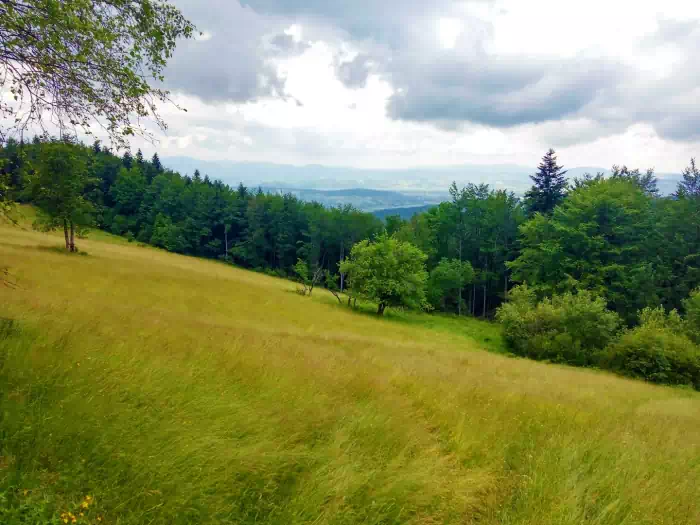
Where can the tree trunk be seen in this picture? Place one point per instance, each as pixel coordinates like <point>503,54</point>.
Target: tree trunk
<point>349,301</point>
<point>459,305</point>
<point>342,257</point>
<point>65,234</point>
<point>380,309</point>
<point>226,241</point>
<point>72,236</point>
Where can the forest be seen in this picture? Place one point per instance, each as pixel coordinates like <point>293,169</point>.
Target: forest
<point>596,254</point>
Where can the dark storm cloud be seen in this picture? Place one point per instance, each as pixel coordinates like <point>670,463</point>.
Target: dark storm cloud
<point>495,92</point>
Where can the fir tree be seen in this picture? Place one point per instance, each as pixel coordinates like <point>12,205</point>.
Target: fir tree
<point>156,163</point>
<point>139,158</point>
<point>549,187</point>
<point>690,185</point>
<point>127,160</point>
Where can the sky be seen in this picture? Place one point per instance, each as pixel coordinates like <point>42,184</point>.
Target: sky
<point>411,83</point>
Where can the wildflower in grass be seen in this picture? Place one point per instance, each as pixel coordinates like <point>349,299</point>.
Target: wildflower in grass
<point>25,492</point>
<point>84,504</point>
<point>88,499</point>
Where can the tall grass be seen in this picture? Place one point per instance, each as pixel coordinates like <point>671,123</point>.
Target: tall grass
<point>174,390</point>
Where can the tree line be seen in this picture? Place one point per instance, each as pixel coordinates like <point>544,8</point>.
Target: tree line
<point>77,186</point>
<point>614,235</point>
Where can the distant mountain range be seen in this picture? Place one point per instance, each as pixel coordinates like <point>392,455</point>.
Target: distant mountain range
<point>364,198</point>
<point>404,213</point>
<point>374,189</point>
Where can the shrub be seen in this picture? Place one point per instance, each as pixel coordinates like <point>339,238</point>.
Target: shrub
<point>658,350</point>
<point>567,328</point>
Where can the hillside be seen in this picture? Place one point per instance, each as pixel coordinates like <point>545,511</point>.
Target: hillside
<point>175,390</point>
<point>405,213</point>
<point>366,199</point>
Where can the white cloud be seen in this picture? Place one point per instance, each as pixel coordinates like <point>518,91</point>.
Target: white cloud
<point>397,84</point>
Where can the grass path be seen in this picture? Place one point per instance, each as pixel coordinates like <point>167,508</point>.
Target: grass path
<point>176,390</point>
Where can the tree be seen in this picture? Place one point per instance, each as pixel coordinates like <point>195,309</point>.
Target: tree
<point>549,187</point>
<point>644,181</point>
<point>388,271</point>
<point>603,238</point>
<point>332,285</point>
<point>689,187</point>
<point>394,223</point>
<point>77,62</point>
<point>447,280</point>
<point>58,187</point>
<point>139,159</point>
<point>155,161</point>
<point>307,280</point>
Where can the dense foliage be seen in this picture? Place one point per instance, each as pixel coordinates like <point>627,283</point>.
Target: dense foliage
<point>658,350</point>
<point>75,63</point>
<point>141,200</point>
<point>388,272</point>
<point>478,226</point>
<point>565,328</point>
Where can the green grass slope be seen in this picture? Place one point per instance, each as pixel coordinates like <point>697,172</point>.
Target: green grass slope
<point>173,390</point>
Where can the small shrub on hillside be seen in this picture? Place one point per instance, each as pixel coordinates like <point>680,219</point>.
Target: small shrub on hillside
<point>565,329</point>
<point>658,350</point>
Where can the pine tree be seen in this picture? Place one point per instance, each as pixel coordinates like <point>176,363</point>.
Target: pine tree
<point>690,185</point>
<point>549,187</point>
<point>156,163</point>
<point>197,176</point>
<point>127,160</point>
<point>139,158</point>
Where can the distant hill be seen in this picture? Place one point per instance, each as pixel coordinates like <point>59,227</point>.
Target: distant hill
<point>363,198</point>
<point>404,213</point>
<point>416,186</point>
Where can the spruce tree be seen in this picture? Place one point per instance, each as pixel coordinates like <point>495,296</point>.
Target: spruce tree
<point>139,158</point>
<point>549,187</point>
<point>127,160</point>
<point>156,163</point>
<point>690,185</point>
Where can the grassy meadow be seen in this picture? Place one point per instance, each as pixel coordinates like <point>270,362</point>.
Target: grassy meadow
<point>142,387</point>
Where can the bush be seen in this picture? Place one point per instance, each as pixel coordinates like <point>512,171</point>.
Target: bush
<point>567,328</point>
<point>658,350</point>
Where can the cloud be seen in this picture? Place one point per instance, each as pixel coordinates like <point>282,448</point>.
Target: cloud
<point>354,73</point>
<point>482,81</point>
<point>494,91</point>
<point>378,83</point>
<point>235,62</point>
